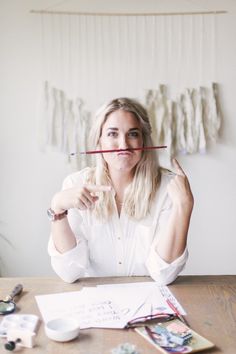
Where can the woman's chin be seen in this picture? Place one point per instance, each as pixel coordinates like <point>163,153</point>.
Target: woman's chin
<point>124,167</point>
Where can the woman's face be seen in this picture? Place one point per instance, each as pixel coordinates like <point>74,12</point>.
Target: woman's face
<point>121,130</point>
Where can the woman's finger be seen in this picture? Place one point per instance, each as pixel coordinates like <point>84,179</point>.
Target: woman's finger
<point>98,188</point>
<point>86,201</point>
<point>78,204</point>
<point>178,168</point>
<point>88,195</point>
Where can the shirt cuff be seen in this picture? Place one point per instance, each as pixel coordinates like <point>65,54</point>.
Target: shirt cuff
<point>162,272</point>
<point>70,265</point>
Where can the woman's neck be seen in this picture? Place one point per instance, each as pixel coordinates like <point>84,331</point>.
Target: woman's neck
<point>120,181</point>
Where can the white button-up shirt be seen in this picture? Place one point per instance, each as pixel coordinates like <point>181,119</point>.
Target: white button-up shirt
<point>120,246</point>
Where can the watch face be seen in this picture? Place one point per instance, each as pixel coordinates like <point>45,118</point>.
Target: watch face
<point>51,214</point>
<point>53,217</point>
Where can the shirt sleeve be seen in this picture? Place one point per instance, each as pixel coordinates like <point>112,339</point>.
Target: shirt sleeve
<point>71,265</point>
<point>162,272</point>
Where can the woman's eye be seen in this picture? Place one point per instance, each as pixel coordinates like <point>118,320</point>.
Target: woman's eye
<point>112,134</point>
<point>134,134</point>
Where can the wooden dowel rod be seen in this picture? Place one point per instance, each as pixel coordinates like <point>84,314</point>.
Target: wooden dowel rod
<point>47,12</point>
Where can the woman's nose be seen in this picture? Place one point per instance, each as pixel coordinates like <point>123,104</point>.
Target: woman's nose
<point>123,142</point>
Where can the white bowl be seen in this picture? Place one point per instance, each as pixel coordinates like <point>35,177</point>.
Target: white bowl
<point>62,329</point>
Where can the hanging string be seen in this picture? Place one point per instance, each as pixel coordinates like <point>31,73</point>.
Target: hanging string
<point>94,54</point>
<point>70,61</point>
<point>44,99</point>
<point>189,45</point>
<point>110,51</point>
<point>177,53</point>
<point>169,50</point>
<point>154,55</point>
<point>53,69</point>
<point>162,54</point>
<point>125,68</point>
<point>201,33</point>
<point>135,45</point>
<point>99,46</point>
<point>146,35</point>
<point>82,56</point>
<point>214,78</point>
<point>140,51</point>
<point>44,62</point>
<point>88,82</point>
<point>152,33</point>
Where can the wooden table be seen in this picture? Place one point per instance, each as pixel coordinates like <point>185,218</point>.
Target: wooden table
<point>210,302</point>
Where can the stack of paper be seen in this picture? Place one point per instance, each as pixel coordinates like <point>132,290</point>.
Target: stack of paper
<point>110,306</point>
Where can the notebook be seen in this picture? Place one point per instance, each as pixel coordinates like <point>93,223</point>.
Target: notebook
<point>174,337</point>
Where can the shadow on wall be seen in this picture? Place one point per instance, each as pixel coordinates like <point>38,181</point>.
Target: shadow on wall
<point>5,240</point>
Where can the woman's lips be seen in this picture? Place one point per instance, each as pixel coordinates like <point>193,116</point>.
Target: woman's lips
<point>125,153</point>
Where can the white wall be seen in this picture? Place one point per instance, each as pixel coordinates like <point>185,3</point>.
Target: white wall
<point>29,177</point>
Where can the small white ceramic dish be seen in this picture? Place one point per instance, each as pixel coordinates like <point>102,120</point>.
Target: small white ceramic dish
<point>62,329</point>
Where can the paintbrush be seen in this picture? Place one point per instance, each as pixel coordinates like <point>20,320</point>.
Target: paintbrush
<point>118,150</point>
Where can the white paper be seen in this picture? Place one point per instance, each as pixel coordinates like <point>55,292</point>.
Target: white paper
<point>127,297</point>
<point>86,307</point>
<point>167,294</point>
<point>108,306</point>
<point>151,293</point>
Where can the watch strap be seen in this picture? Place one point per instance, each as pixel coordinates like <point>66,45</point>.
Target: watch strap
<point>54,217</point>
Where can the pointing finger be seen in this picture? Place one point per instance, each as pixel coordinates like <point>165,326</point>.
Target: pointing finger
<point>97,188</point>
<point>178,168</point>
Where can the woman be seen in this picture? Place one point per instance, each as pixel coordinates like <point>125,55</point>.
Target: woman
<point>126,216</point>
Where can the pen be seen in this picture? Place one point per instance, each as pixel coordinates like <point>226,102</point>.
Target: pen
<point>150,334</point>
<point>119,150</point>
<point>177,313</point>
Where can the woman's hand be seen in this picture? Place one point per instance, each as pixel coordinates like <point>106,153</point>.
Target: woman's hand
<point>179,189</point>
<point>78,197</point>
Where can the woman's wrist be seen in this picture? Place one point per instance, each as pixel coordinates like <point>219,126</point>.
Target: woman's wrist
<point>55,205</point>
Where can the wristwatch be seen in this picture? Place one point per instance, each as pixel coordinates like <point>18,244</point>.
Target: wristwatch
<point>54,217</point>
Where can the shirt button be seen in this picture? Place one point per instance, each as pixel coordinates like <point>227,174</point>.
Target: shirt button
<point>120,262</point>
<point>118,237</point>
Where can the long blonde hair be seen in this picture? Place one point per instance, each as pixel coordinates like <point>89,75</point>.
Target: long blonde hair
<point>140,193</point>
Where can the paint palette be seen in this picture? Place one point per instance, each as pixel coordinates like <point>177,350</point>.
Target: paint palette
<point>22,322</point>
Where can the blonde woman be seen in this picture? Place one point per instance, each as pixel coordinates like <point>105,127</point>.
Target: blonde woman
<point>126,216</point>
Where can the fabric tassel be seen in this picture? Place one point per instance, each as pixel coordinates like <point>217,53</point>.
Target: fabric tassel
<point>80,132</point>
<point>188,111</point>
<point>167,129</point>
<point>184,125</point>
<point>160,115</point>
<point>151,102</point>
<point>212,117</point>
<point>179,118</point>
<point>199,128</point>
<point>44,126</point>
<point>218,108</point>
